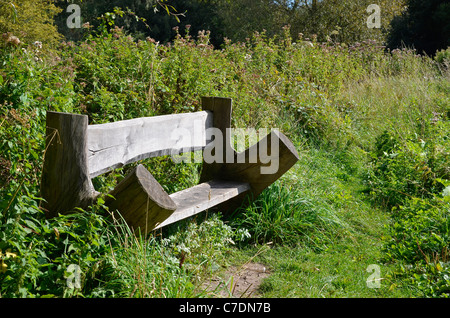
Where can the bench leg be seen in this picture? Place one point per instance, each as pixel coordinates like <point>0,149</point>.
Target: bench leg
<point>276,156</point>
<point>141,201</point>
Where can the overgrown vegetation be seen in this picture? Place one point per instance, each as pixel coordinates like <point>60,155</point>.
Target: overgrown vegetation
<point>372,185</point>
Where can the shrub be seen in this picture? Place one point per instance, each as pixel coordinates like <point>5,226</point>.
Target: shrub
<point>404,167</point>
<point>44,250</point>
<point>420,231</point>
<point>28,21</point>
<point>442,57</point>
<point>419,238</point>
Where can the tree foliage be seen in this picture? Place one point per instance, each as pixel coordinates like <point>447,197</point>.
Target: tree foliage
<point>425,25</point>
<point>28,21</point>
<point>140,17</point>
<point>344,20</point>
<point>243,17</point>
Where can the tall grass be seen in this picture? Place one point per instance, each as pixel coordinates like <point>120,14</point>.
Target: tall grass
<point>169,264</point>
<point>307,207</point>
<point>143,268</point>
<point>395,103</point>
<point>282,215</point>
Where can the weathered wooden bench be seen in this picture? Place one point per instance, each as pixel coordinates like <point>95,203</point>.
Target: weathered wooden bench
<point>77,152</point>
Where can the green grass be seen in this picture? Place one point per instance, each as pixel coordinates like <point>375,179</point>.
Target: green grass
<point>332,261</point>
<point>326,192</point>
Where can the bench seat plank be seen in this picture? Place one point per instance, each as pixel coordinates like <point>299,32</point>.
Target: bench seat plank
<point>203,196</point>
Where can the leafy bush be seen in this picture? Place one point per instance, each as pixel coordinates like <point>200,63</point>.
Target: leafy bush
<point>443,57</point>
<point>404,167</point>
<point>44,249</point>
<point>419,238</point>
<point>410,177</point>
<point>27,21</point>
<point>420,231</point>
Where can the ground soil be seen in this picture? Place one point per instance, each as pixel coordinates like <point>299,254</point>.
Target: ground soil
<point>239,282</point>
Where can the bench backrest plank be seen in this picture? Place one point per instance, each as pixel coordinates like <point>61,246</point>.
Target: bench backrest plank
<point>116,144</point>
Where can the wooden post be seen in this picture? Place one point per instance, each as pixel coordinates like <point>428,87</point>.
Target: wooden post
<point>65,182</point>
<point>253,173</point>
<point>141,200</point>
<point>221,109</point>
<point>277,150</point>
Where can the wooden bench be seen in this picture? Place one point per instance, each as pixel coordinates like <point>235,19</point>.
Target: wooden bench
<point>77,152</point>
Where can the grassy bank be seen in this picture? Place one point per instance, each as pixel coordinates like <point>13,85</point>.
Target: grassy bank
<point>371,187</point>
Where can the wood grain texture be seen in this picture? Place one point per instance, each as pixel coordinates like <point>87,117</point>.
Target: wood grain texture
<point>221,109</point>
<point>66,182</point>
<point>202,197</point>
<point>141,200</point>
<point>274,149</point>
<point>116,144</point>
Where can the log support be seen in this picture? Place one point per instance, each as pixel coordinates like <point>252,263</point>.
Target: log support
<point>140,200</point>
<point>65,182</point>
<point>259,165</point>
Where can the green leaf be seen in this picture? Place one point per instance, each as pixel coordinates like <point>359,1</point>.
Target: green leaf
<point>32,226</point>
<point>72,248</point>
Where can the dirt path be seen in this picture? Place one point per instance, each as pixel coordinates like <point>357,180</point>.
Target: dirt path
<point>239,282</point>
